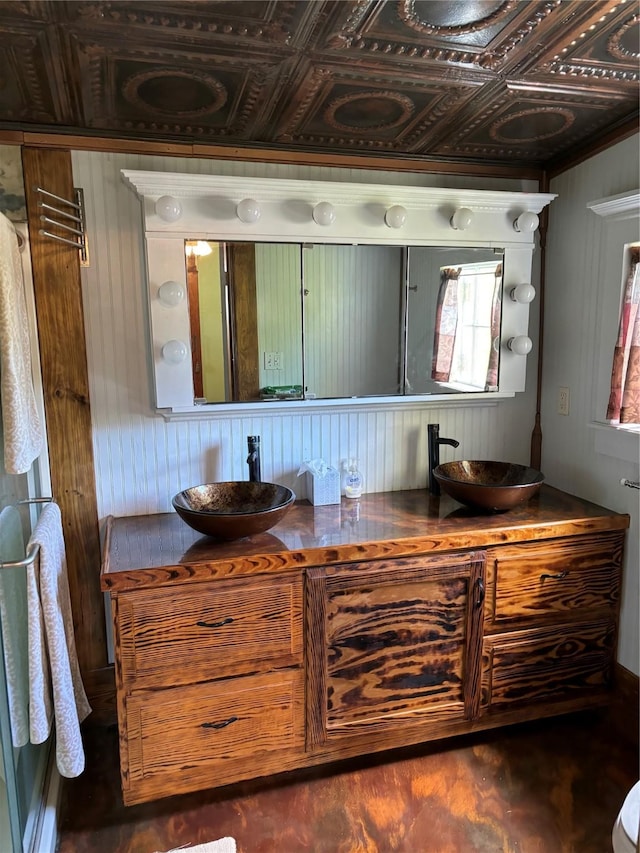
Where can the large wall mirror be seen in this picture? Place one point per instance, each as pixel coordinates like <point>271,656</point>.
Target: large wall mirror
<point>262,292</point>
<point>286,321</point>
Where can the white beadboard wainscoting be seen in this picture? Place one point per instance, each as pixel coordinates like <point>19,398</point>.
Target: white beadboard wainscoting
<point>142,460</point>
<point>576,282</point>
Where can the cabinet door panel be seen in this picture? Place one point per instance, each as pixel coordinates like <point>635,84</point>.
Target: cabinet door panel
<point>393,641</point>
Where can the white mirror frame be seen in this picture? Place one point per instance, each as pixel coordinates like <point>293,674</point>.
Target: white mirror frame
<point>209,212</point>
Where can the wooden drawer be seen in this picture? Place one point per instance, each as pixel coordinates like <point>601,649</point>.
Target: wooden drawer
<point>552,581</point>
<point>196,632</point>
<point>197,734</point>
<point>546,665</point>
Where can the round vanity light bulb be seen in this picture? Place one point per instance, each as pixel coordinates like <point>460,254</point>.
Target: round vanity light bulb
<point>324,213</point>
<point>523,293</point>
<point>527,222</point>
<point>171,293</point>
<point>520,345</point>
<point>168,208</point>
<point>248,210</point>
<point>174,352</point>
<point>462,219</point>
<point>395,216</point>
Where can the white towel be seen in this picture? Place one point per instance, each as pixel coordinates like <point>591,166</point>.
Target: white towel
<point>22,430</point>
<point>222,845</point>
<point>13,618</point>
<point>54,673</point>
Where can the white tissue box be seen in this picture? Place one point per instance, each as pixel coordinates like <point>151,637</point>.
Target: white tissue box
<point>323,490</point>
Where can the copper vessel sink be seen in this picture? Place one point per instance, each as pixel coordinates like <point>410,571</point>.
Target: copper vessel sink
<point>234,509</point>
<point>488,486</point>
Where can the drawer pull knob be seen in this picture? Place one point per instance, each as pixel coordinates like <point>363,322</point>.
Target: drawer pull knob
<point>219,624</point>
<point>479,592</point>
<point>557,577</point>
<point>221,725</point>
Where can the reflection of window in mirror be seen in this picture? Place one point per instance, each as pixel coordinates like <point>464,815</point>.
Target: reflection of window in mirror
<point>453,319</point>
<point>474,356</point>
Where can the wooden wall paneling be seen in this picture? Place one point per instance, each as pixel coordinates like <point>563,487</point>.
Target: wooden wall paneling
<point>58,298</point>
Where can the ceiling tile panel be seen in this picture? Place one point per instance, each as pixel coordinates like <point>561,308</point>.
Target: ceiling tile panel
<point>339,107</point>
<point>531,128</point>
<point>531,82</point>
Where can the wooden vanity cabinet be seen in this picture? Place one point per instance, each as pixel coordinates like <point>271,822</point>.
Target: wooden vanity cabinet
<point>247,659</point>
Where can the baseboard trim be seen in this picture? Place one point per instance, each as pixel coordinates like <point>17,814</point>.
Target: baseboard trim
<point>45,835</point>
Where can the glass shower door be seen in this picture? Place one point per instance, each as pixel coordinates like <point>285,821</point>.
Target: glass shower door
<point>23,765</point>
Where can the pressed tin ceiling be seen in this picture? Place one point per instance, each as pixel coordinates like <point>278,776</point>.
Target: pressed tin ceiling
<point>524,82</point>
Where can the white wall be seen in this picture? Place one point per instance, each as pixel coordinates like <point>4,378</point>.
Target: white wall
<point>142,460</point>
<point>574,284</point>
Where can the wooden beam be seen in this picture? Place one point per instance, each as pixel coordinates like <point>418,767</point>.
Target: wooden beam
<point>58,299</point>
<point>281,155</point>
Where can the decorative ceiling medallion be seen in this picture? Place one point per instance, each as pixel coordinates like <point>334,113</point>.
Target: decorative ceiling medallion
<point>437,17</point>
<point>623,44</point>
<point>367,111</point>
<point>174,92</point>
<point>532,125</point>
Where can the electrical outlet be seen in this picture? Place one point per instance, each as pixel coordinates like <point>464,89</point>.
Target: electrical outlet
<point>563,401</point>
<point>277,360</point>
<point>269,360</point>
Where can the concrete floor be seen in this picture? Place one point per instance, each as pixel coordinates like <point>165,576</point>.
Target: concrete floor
<point>555,786</point>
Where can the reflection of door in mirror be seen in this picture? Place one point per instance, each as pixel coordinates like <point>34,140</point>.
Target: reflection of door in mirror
<point>193,297</point>
<point>250,324</point>
<point>208,318</point>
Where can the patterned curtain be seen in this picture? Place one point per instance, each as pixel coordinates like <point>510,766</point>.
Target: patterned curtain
<point>624,399</point>
<point>446,325</point>
<point>491,383</point>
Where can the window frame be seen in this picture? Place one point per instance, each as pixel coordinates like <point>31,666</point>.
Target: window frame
<point>622,229</point>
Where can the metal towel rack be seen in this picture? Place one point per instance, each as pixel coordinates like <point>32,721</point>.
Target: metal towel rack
<point>32,552</point>
<point>76,217</point>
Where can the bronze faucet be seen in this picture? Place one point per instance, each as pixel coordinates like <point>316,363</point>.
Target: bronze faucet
<point>433,432</point>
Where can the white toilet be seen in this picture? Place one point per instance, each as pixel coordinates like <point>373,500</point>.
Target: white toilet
<point>625,830</point>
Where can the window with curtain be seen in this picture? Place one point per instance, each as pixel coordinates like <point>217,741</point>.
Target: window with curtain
<point>467,330</point>
<point>624,397</point>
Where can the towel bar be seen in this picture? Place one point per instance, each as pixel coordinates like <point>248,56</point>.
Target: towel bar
<point>77,216</point>
<point>32,552</point>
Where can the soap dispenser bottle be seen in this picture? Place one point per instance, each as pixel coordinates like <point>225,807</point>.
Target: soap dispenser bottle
<point>353,482</point>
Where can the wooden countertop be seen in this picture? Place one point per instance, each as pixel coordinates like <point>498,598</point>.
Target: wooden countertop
<point>154,550</point>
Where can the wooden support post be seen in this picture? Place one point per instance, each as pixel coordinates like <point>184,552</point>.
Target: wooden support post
<point>58,299</point>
